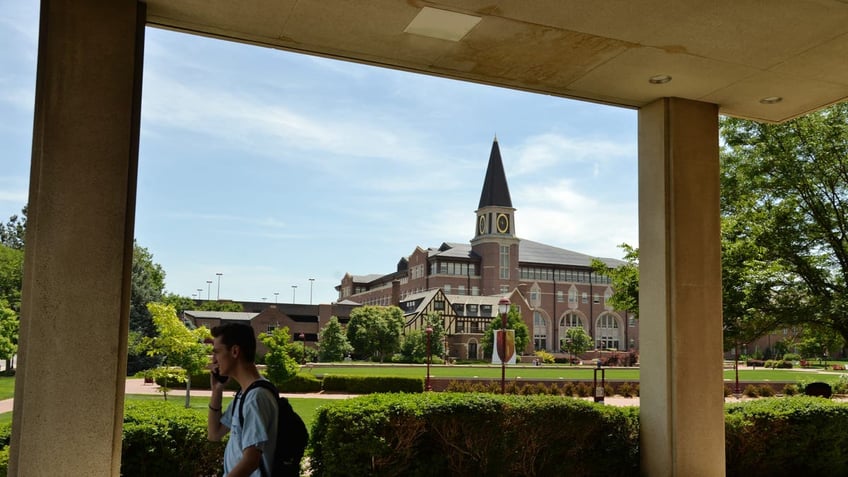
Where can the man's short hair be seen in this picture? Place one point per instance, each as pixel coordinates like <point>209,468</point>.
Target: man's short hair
<point>237,334</point>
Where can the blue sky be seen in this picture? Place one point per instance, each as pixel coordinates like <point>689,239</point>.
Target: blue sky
<point>273,168</point>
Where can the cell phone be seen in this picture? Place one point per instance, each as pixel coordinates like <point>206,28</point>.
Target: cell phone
<point>221,379</point>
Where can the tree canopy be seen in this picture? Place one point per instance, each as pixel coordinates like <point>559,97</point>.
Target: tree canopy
<point>624,280</point>
<point>13,232</point>
<point>333,344</point>
<point>375,331</point>
<point>281,365</point>
<point>785,222</point>
<point>513,322</point>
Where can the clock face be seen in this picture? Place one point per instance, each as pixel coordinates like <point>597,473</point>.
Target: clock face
<point>503,223</point>
<point>481,225</point>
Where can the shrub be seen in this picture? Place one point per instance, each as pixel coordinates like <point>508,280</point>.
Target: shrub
<point>472,434</point>
<point>627,390</point>
<point>373,384</point>
<point>568,389</point>
<point>545,357</point>
<point>751,391</point>
<point>583,389</point>
<point>765,390</point>
<point>789,436</point>
<point>167,441</point>
<point>300,383</point>
<point>792,357</point>
<point>791,389</point>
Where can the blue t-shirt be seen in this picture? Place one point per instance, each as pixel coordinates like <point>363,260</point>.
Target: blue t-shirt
<point>259,430</point>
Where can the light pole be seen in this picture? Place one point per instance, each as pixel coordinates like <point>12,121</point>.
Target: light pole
<point>275,297</point>
<point>303,340</point>
<point>208,290</point>
<point>427,386</point>
<point>311,281</point>
<point>503,308</point>
<point>199,294</point>
<point>219,286</point>
<point>294,289</point>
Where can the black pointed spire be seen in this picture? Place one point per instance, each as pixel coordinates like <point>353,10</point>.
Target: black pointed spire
<point>495,190</point>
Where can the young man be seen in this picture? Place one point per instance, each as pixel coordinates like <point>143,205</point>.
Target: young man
<point>250,450</point>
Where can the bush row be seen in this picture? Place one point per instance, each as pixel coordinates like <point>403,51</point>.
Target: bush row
<point>789,436</point>
<point>568,388</point>
<point>164,441</point>
<point>435,434</point>
<point>372,384</point>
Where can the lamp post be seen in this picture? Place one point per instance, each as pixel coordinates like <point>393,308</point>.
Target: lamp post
<point>311,281</point>
<point>208,289</point>
<point>294,289</point>
<point>427,386</point>
<point>275,297</point>
<point>219,286</point>
<point>503,308</point>
<point>199,294</point>
<point>303,341</point>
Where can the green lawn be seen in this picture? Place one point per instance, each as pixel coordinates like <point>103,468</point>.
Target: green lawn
<point>561,372</point>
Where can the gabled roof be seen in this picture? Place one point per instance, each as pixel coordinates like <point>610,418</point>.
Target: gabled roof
<point>495,189</point>
<point>535,252</point>
<point>453,250</point>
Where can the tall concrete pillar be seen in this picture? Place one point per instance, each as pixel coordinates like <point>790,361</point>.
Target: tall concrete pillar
<point>681,389</point>
<point>69,391</point>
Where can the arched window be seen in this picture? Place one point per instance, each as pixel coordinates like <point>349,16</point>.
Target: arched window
<point>569,320</point>
<point>540,332</point>
<point>608,332</point>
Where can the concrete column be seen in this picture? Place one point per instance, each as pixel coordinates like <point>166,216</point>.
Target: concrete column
<point>682,400</point>
<point>69,392</point>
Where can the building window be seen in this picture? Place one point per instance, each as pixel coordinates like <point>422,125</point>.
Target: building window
<point>460,290</point>
<point>472,308</point>
<point>504,262</point>
<point>534,295</point>
<point>504,289</point>
<point>486,310</point>
<point>540,332</point>
<point>438,305</point>
<point>572,294</point>
<point>559,297</point>
<point>585,297</point>
<point>607,332</point>
<point>271,327</point>
<point>475,291</point>
<point>596,299</point>
<point>447,289</point>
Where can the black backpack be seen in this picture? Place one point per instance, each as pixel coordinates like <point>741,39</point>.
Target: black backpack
<point>292,436</point>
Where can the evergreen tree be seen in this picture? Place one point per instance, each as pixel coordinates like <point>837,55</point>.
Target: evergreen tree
<point>333,344</point>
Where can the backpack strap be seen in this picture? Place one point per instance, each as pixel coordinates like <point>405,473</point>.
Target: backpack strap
<point>259,383</point>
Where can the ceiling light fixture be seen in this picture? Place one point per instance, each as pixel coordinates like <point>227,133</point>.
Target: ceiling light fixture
<point>441,24</point>
<point>771,100</point>
<point>659,79</point>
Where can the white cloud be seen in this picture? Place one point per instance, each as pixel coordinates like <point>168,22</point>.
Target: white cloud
<point>548,150</point>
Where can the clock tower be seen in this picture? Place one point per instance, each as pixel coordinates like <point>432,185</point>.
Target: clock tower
<point>494,235</point>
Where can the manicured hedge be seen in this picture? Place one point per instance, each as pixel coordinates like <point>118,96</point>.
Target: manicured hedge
<point>436,434</point>
<point>301,383</point>
<point>372,384</point>
<point>167,441</point>
<point>787,436</point>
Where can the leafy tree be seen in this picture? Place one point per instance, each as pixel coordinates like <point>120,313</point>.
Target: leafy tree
<point>178,345</point>
<point>209,305</point>
<point>332,343</point>
<point>11,275</point>
<point>148,283</point>
<point>281,365</point>
<point>179,302</point>
<point>413,348</point>
<point>576,341</point>
<point>624,278</point>
<point>375,331</point>
<point>13,232</point>
<point>513,322</point>
<point>817,342</point>
<point>9,324</point>
<point>785,199</point>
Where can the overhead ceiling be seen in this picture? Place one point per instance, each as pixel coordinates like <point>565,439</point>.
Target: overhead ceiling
<point>769,60</point>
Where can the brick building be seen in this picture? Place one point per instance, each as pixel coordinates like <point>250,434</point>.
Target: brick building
<point>554,288</point>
